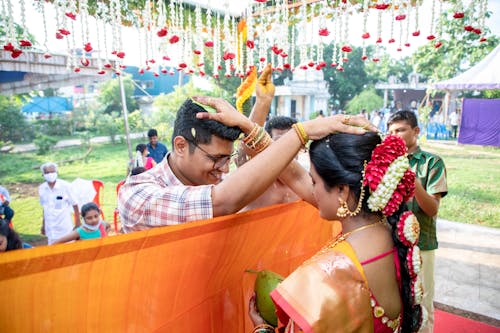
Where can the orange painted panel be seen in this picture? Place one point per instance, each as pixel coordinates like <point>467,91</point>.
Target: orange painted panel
<point>186,278</point>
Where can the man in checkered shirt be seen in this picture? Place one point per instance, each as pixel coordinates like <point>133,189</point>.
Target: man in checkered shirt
<point>187,185</point>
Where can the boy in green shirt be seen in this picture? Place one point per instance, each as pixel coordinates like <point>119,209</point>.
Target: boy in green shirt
<point>430,187</point>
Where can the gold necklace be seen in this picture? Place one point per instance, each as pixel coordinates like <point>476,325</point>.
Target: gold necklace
<point>342,237</point>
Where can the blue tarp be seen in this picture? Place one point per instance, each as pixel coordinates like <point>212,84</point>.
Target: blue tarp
<point>48,105</point>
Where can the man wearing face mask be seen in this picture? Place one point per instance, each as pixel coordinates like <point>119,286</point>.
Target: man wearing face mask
<point>56,199</point>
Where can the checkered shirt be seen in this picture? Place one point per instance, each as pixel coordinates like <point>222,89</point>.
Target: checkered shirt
<point>157,198</point>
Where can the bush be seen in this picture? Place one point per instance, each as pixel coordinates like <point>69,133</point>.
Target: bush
<point>13,125</point>
<point>368,100</point>
<point>53,127</point>
<point>44,143</point>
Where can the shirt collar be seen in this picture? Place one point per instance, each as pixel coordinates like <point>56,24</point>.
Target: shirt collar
<point>417,154</point>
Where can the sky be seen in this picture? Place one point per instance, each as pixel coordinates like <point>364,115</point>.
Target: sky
<point>35,26</point>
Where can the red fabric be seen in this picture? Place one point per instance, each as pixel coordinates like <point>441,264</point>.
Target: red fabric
<point>445,322</point>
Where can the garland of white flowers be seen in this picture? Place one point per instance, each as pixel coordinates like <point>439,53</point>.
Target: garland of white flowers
<point>217,46</point>
<point>383,193</point>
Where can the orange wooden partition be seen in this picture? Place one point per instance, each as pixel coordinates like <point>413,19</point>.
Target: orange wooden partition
<point>187,278</point>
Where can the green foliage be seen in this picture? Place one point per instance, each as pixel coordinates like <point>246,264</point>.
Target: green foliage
<point>44,143</point>
<point>13,124</point>
<point>110,124</point>
<point>110,95</point>
<point>492,93</point>
<point>386,67</point>
<point>57,126</point>
<point>460,49</point>
<point>343,86</point>
<point>367,99</point>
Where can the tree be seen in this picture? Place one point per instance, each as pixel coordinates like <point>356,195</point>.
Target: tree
<point>344,85</point>
<point>367,99</point>
<point>110,95</point>
<point>388,66</point>
<point>13,125</point>
<point>459,51</point>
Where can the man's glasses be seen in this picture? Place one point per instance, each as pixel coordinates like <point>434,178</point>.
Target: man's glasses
<point>219,161</point>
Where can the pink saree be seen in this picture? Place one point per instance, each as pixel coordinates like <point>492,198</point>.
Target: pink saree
<point>327,293</point>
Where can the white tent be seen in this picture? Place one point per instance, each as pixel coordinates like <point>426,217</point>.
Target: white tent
<point>483,76</point>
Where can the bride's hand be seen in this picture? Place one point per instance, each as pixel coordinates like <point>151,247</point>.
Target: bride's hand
<point>253,312</point>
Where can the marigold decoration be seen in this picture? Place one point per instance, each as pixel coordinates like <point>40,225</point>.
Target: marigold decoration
<point>388,176</point>
<point>246,88</point>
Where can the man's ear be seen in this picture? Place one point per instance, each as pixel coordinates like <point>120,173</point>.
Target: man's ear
<point>417,130</point>
<point>181,146</point>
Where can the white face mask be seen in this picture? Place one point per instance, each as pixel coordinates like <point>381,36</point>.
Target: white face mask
<point>50,177</point>
<point>91,227</point>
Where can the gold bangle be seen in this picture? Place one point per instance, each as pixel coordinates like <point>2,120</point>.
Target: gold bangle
<point>263,328</point>
<point>252,133</point>
<point>301,132</point>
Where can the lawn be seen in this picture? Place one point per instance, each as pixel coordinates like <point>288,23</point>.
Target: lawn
<point>473,179</point>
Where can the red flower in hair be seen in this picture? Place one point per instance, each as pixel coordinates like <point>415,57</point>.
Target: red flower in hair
<point>390,151</point>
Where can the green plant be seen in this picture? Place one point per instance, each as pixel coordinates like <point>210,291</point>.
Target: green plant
<point>109,124</point>
<point>367,99</point>
<point>44,143</point>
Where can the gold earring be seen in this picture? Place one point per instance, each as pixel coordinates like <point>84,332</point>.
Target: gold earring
<point>343,209</point>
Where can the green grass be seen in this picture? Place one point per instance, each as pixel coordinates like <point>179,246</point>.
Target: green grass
<point>21,175</point>
<point>473,175</point>
<point>473,181</point>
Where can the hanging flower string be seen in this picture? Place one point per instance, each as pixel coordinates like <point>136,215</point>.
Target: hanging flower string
<point>269,35</point>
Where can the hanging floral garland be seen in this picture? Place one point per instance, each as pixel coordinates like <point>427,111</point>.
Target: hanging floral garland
<point>246,89</point>
<point>263,34</point>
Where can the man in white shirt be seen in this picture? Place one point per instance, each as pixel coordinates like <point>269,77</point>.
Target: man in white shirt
<point>454,123</point>
<point>56,199</point>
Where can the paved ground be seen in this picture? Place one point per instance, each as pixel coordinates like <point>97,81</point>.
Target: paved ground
<point>77,142</point>
<point>468,270</point>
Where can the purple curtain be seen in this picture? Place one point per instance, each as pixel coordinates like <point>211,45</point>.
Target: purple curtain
<point>480,124</point>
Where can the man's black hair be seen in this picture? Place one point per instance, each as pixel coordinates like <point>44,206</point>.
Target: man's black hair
<point>404,115</point>
<point>200,131</point>
<point>152,132</point>
<point>280,122</point>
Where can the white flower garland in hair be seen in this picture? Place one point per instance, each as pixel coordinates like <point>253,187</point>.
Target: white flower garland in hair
<point>381,196</point>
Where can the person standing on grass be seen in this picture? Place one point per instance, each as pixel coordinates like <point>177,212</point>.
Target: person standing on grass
<point>5,209</point>
<point>430,187</point>
<point>156,149</point>
<point>56,199</point>
<point>454,123</point>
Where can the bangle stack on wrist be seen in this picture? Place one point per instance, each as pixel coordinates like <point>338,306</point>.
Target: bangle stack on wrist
<point>301,132</point>
<point>263,328</point>
<point>258,139</point>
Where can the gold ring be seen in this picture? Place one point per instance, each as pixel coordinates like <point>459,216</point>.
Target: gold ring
<point>346,119</point>
<point>366,127</point>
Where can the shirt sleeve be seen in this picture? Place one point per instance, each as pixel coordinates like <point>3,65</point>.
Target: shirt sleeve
<point>436,181</point>
<point>71,196</point>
